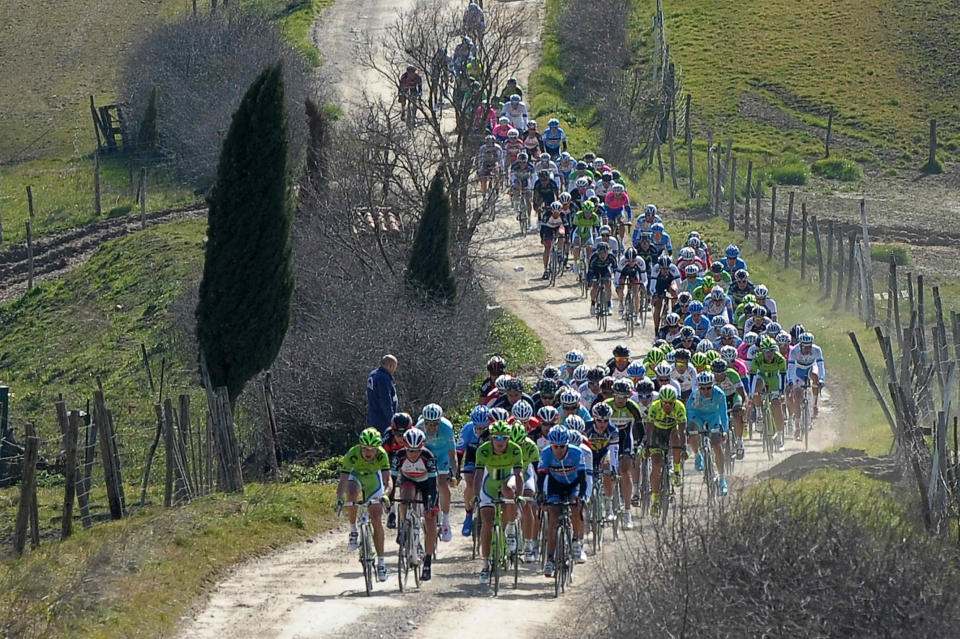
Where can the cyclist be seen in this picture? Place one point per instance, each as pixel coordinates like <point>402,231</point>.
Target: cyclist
<point>513,393</point>
<point>545,193</point>
<point>633,270</point>
<point>626,413</point>
<point>561,478</point>
<point>546,394</point>
<point>707,410</point>
<point>663,376</point>
<point>664,282</point>
<point>474,24</point>
<point>727,336</point>
<point>805,363</point>
<point>605,443</point>
<point>549,417</point>
<point>732,262</point>
<point>728,379</point>
<point>502,130</point>
<point>516,111</point>
<point>741,286</point>
<point>696,319</point>
<point>474,433</point>
<point>720,275</point>
<point>496,366</point>
<point>521,179</point>
<point>554,139</point>
<point>618,364</point>
<point>664,419</point>
<point>410,86</point>
<point>511,88</point>
<point>683,374</point>
<point>502,463</point>
<point>490,159</point>
<point>365,471</point>
<point>512,147</point>
<point>661,239</point>
<point>671,328</point>
<point>768,372</point>
<point>699,248</point>
<point>619,211</point>
<point>571,405</point>
<point>600,271</point>
<point>718,304</point>
<point>607,236</point>
<point>758,322</point>
<point>567,167</point>
<point>783,344</point>
<point>531,138</point>
<point>577,439</point>
<point>590,388</point>
<point>691,280</point>
<point>688,257</point>
<point>531,457</point>
<point>571,361</point>
<point>462,53</point>
<point>443,445</point>
<point>416,472</point>
<point>394,445</point>
<point>764,299</point>
<point>551,229</point>
<point>645,222</point>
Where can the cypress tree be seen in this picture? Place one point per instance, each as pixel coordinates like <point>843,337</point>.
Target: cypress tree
<point>429,269</point>
<point>247,286</point>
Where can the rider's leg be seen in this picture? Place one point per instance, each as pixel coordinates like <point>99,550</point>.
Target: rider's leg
<point>656,467</point>
<point>676,448</point>
<point>376,518</point>
<point>443,483</point>
<point>776,405</point>
<point>626,480</point>
<point>352,493</point>
<point>552,528</point>
<point>547,245</point>
<point>431,526</point>
<point>716,440</point>
<point>594,291</point>
<point>486,515</point>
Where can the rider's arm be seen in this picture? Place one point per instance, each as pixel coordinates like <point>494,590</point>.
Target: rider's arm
<point>792,376</point>
<point>821,369</point>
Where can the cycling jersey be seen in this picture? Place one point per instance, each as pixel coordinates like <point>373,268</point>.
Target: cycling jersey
<point>624,417</point>
<point>684,377</point>
<point>421,470</point>
<point>552,222</point>
<point>511,149</point>
<point>531,452</point>
<point>441,443</point>
<point>555,140</point>
<point>718,343</point>
<point>800,364</point>
<point>772,373</point>
<point>354,463</point>
<point>601,268</point>
<point>567,470</point>
<point>712,308</point>
<point>489,155</point>
<point>737,293</point>
<point>636,272</point>
<point>501,132</point>
<point>411,82</point>
<point>648,255</point>
<point>499,467</point>
<point>660,418</point>
<point>522,174</point>
<point>600,440</point>
<point>700,326</point>
<point>616,202</point>
<point>643,225</point>
<point>682,264</point>
<point>688,285</point>
<point>731,382</point>
<point>661,279</point>
<point>663,244</point>
<point>393,442</point>
<point>707,412</point>
<point>532,141</point>
<point>581,412</point>
<point>701,293</point>
<point>508,91</point>
<point>517,115</point>
<point>771,307</point>
<point>737,265</point>
<point>547,192</point>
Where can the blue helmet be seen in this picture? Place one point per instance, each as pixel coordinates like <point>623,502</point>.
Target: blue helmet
<point>695,307</point>
<point>553,122</point>
<point>558,436</point>
<point>636,369</point>
<point>733,251</point>
<point>656,228</point>
<point>480,415</point>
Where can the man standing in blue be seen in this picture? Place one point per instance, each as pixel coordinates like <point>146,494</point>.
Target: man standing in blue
<point>382,401</point>
<point>554,139</point>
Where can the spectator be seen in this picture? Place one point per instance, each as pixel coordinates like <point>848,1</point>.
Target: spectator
<point>382,399</point>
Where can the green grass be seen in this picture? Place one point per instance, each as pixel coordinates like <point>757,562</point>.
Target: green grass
<point>296,18</point>
<point>838,169</point>
<point>899,253</point>
<point>790,171</point>
<point>137,577</point>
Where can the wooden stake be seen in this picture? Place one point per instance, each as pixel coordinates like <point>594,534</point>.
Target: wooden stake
<point>803,240</point>
<point>746,202</point>
<point>97,195</point>
<point>29,257</point>
<point>851,243</point>
<point>759,220</point>
<point>30,200</point>
<point>153,451</point>
<point>89,453</point>
<point>1,209</point>
<point>873,384</point>
<point>829,132</point>
<point>689,140</point>
<point>672,125</point>
<point>932,148</point>
<point>871,304</point>
<point>711,191</point>
<point>731,224</point>
<point>28,490</point>
<point>773,223</point>
<point>838,300</point>
<point>718,184</point>
<point>816,240</point>
<point>168,453</point>
<point>786,238</point>
<point>71,423</point>
<point>829,272</point>
<point>143,198</point>
<point>107,455</point>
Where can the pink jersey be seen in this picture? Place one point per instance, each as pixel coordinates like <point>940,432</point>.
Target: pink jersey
<point>682,265</point>
<point>616,201</point>
<point>740,366</point>
<point>742,351</point>
<point>500,132</point>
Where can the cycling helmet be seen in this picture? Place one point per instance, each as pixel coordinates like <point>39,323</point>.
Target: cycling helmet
<point>699,360</point>
<point>691,269</point>
<point>518,433</point>
<point>566,156</point>
<point>666,348</point>
<point>672,319</point>
<point>576,437</point>
<point>550,372</point>
<point>565,198</point>
<point>569,397</point>
<point>663,370</point>
<point>693,234</point>
<point>645,386</point>
<point>622,386</point>
<point>718,321</point>
<point>580,373</point>
<point>636,369</point>
<point>671,356</point>
<point>718,366</point>
<point>500,427</point>
<point>606,385</point>
<point>616,174</point>
<point>596,374</point>
<point>694,242</point>
<point>553,122</point>
<point>761,291</point>
<point>496,365</point>
<point>733,251</point>
<point>668,394</point>
<point>774,329</point>
<point>370,437</point>
<point>513,134</point>
<point>654,357</point>
<point>716,267</point>
<point>531,124</point>
<point>543,174</point>
<point>767,344</point>
<point>797,331</point>
<point>741,275</point>
<point>431,413</point>
<point>522,156</point>
<point>583,182</point>
<point>782,338</point>
<point>515,98</point>
<point>759,312</point>
<point>728,353</point>
<point>705,378</point>
<point>598,163</point>
<point>649,209</point>
<point>574,358</point>
<point>617,188</point>
<point>681,355</point>
<point>503,120</point>
<point>806,338</point>
<point>414,439</point>
<point>621,350</point>
<point>588,207</point>
<point>704,346</point>
<point>602,411</point>
<point>574,423</point>
<point>643,237</point>
<point>548,386</point>
<point>522,410</point>
<point>480,415</point>
<point>664,261</point>
<point>556,206</point>
<point>709,282</point>
<point>502,382</point>
<point>750,297</point>
<point>490,139</point>
<point>695,308</point>
<point>751,339</point>
<point>684,298</point>
<point>548,414</point>
<point>717,295</point>
<point>686,253</point>
<point>605,230</point>
<point>401,421</point>
<point>687,332</point>
<point>630,254</point>
<point>603,246</point>
<point>656,228</point>
<point>728,330</point>
<point>499,415</point>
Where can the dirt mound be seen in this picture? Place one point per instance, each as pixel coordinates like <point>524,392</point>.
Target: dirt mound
<point>796,466</point>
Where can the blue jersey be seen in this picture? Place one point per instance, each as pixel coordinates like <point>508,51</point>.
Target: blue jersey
<point>700,327</point>
<point>564,470</point>
<point>442,443</point>
<point>663,245</point>
<point>707,412</point>
<point>553,138</point>
<point>740,264</point>
<point>468,437</point>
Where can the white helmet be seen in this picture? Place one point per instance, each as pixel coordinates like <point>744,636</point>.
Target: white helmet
<point>522,410</point>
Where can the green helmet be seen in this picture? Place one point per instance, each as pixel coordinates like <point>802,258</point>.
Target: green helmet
<point>666,349</point>
<point>699,360</point>
<point>500,428</point>
<point>370,437</point>
<point>767,344</point>
<point>711,356</point>
<point>709,282</point>
<point>668,394</point>
<point>518,433</point>
<point>654,357</point>
<point>588,206</point>
<point>749,298</point>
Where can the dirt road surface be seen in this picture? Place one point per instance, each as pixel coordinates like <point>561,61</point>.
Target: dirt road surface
<point>315,589</point>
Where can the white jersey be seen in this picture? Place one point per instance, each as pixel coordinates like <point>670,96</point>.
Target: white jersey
<point>587,396</point>
<point>612,241</point>
<point>684,379</point>
<point>645,409</point>
<point>799,363</point>
<point>749,325</point>
<point>516,114</point>
<point>771,307</point>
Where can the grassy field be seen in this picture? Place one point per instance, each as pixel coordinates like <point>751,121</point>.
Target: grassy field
<point>138,576</point>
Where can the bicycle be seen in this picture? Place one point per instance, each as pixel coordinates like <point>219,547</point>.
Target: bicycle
<point>806,414</point>
<point>617,503</point>
<point>475,531</point>
<point>564,561</point>
<point>543,534</point>
<point>643,486</point>
<point>629,313</point>
<point>582,276</point>
<point>730,446</point>
<point>519,204</point>
<point>711,478</point>
<point>411,552</point>
<point>601,307</point>
<point>365,529</point>
<point>766,426</point>
<point>556,263</point>
<point>596,517</point>
<point>500,557</point>
<point>643,307</point>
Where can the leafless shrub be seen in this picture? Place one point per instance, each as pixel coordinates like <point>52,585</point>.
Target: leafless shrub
<point>786,564</point>
<point>201,69</point>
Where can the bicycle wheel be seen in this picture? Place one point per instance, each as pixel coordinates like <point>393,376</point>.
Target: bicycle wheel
<point>520,207</point>
<point>806,418</point>
<point>729,451</point>
<point>628,313</point>
<point>709,476</point>
<point>366,541</point>
<point>516,562</point>
<point>475,535</point>
<point>553,267</point>
<point>664,491</point>
<point>404,553</point>
<point>496,549</point>
<point>643,310</point>
<point>644,487</point>
<point>769,431</point>
<point>617,510</point>
<point>559,555</point>
<point>544,531</point>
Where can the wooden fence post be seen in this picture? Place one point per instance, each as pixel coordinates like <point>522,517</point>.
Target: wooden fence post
<point>829,272</point>
<point>710,189</point>
<point>815,229</point>
<point>746,201</point>
<point>97,194</point>
<point>838,300</point>
<point>829,132</point>
<point>733,195</point>
<point>851,243</point>
<point>28,490</point>
<point>143,198</point>
<point>30,201</point>
<point>896,308</point>
<point>107,454</point>
<point>932,148</point>
<point>870,305</point>
<point>759,217</point>
<point>689,140</point>
<point>189,451</point>
<point>803,241</point>
<point>71,436</point>
<point>89,453</point>
<point>168,454</point>
<point>727,157</point>
<point>1,209</point>
<point>786,237</point>
<point>269,424</point>
<point>773,223</point>
<point>29,256</point>
<point>671,125</point>
<point>117,468</point>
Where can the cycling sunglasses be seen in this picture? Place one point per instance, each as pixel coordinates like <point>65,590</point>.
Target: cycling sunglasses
<point>500,438</point>
<point>622,359</point>
<point>602,420</point>
<point>646,396</point>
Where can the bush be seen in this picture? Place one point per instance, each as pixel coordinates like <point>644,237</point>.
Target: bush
<point>834,556</point>
<point>791,172</point>
<point>200,69</point>
<point>838,169</point>
<point>897,253</point>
